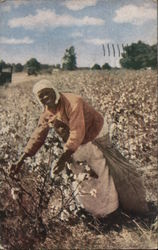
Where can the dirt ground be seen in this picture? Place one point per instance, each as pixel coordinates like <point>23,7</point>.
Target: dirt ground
<point>128,99</point>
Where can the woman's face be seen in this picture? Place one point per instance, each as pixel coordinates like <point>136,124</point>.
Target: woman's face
<point>47,97</point>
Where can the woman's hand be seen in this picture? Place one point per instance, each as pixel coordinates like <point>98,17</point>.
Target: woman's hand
<point>58,168</point>
<point>66,156</point>
<point>15,167</point>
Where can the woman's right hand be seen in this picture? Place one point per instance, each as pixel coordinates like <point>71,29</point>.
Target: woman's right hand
<point>15,167</point>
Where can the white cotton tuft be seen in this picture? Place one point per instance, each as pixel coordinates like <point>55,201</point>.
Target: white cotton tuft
<point>15,193</point>
<point>93,192</point>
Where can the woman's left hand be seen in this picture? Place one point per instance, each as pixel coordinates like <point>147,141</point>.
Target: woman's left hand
<point>66,156</point>
<point>58,168</point>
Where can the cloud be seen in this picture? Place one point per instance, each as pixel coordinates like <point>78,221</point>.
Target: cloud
<point>6,8</point>
<point>79,4</point>
<point>17,3</point>
<point>77,34</point>
<point>25,40</point>
<point>136,15</point>
<point>48,18</point>
<point>14,4</point>
<point>97,41</point>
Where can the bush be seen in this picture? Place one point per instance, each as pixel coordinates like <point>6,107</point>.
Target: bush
<point>106,66</point>
<point>96,67</point>
<point>18,67</point>
<point>33,66</point>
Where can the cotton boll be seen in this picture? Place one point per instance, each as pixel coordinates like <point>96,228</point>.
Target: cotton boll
<point>75,177</point>
<point>15,193</point>
<point>66,192</point>
<point>6,156</point>
<point>81,176</point>
<point>64,215</point>
<point>83,216</point>
<point>87,168</point>
<point>72,207</point>
<point>93,192</point>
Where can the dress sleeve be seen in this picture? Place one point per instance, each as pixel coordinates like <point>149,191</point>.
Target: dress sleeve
<point>76,126</point>
<point>38,137</point>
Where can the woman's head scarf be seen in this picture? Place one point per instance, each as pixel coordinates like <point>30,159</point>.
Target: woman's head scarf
<point>43,84</point>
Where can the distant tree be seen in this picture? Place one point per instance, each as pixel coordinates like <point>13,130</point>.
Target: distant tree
<point>69,59</point>
<point>139,55</point>
<point>96,67</point>
<point>18,67</point>
<point>153,57</point>
<point>2,64</point>
<point>33,66</point>
<point>106,66</point>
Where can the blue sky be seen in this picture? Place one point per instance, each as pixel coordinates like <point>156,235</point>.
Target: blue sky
<point>45,28</point>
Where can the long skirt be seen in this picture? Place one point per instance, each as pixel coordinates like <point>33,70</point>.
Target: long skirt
<point>96,195</point>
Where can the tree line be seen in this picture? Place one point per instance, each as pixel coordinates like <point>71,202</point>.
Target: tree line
<point>135,56</point>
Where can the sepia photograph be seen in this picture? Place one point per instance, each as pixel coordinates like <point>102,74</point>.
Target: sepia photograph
<point>78,124</point>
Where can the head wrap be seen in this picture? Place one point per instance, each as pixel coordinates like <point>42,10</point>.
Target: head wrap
<point>43,84</point>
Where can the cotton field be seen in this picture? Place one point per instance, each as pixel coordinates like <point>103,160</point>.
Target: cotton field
<point>38,212</point>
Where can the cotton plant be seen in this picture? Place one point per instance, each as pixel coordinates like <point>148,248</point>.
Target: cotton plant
<point>70,185</point>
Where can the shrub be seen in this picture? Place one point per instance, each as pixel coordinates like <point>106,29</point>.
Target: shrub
<point>96,67</point>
